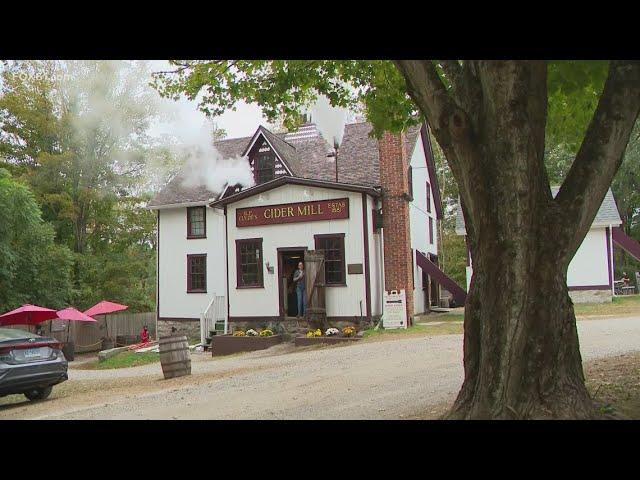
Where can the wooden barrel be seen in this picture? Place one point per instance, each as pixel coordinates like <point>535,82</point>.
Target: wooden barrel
<point>174,356</point>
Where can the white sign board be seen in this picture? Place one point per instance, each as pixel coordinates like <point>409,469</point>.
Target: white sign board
<point>395,309</point>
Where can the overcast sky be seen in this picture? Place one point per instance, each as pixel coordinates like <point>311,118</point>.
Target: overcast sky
<point>245,119</point>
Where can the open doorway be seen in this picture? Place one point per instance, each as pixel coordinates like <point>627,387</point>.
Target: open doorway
<point>288,259</point>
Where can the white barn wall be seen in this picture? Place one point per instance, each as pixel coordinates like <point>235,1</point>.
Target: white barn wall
<point>589,265</point>
<point>175,302</point>
<point>419,220</point>
<point>254,302</point>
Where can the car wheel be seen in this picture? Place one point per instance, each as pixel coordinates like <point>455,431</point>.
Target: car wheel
<point>38,393</point>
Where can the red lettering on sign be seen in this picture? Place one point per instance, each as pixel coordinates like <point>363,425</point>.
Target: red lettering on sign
<point>334,209</point>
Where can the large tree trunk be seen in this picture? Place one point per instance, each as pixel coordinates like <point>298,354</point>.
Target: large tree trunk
<point>521,350</point>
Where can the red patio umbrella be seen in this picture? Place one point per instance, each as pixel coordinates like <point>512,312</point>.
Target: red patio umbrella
<point>28,315</point>
<point>104,307</point>
<point>72,315</point>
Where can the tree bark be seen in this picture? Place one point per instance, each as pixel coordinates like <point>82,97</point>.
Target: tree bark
<point>521,349</point>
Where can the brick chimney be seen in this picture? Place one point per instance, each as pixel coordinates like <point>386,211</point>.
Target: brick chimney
<point>398,269</point>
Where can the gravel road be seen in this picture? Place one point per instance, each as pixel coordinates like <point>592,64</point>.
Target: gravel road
<point>401,378</point>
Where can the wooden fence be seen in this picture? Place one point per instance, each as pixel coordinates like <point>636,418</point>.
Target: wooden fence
<point>88,336</point>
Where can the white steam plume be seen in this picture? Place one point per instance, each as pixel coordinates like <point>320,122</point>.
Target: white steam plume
<point>329,120</point>
<point>205,166</point>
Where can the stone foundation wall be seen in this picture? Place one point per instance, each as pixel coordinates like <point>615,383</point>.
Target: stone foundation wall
<point>590,296</point>
<point>190,328</point>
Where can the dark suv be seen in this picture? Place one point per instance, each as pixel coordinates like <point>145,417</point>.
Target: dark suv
<point>30,364</point>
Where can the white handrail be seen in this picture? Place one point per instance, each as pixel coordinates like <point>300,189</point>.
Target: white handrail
<point>214,312</point>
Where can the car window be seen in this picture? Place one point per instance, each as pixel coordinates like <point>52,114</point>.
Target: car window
<point>14,334</point>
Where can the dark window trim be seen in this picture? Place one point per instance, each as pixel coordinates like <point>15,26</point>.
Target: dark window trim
<point>260,283</point>
<point>410,182</point>
<point>343,265</point>
<point>189,257</point>
<point>428,197</point>
<point>413,268</point>
<point>430,231</point>
<point>189,210</point>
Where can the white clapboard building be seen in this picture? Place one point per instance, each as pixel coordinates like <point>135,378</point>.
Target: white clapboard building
<point>371,207</point>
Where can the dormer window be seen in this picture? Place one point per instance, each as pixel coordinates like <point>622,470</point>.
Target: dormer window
<point>265,167</point>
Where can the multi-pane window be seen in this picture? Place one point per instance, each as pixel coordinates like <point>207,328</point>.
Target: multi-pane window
<point>197,273</point>
<point>264,167</point>
<point>428,197</point>
<point>431,230</point>
<point>249,262</point>
<point>196,222</point>
<point>334,266</point>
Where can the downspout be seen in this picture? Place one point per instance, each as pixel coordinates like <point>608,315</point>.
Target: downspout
<point>382,277</point>
<point>226,250</point>
<point>612,273</point>
<point>157,276</point>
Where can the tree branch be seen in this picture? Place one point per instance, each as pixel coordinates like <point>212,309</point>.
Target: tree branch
<point>450,124</point>
<point>601,152</point>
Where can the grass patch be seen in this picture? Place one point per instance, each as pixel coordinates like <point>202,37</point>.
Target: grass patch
<point>123,360</point>
<point>614,383</point>
<point>624,305</point>
<point>413,331</point>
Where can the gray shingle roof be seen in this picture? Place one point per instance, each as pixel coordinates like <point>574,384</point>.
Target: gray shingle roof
<point>607,213</point>
<point>306,156</point>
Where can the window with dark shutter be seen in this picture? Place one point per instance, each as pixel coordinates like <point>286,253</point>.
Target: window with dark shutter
<point>410,181</point>
<point>249,263</point>
<point>428,197</point>
<point>332,245</point>
<point>197,273</point>
<point>196,222</point>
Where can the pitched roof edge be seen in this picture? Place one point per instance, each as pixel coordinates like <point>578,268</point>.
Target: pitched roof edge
<point>435,187</point>
<point>290,180</point>
<point>253,140</point>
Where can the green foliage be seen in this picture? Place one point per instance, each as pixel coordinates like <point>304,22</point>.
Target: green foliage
<point>33,269</point>
<point>283,88</point>
<point>75,132</point>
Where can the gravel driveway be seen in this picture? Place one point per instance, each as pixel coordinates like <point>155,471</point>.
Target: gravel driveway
<point>400,378</point>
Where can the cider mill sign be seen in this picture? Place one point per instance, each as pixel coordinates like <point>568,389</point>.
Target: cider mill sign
<point>334,209</point>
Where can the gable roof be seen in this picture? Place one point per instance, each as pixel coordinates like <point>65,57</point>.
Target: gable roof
<point>305,153</point>
<point>607,213</point>
<point>285,152</point>
<point>287,180</point>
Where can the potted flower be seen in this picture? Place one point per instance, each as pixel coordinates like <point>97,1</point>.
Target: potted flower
<point>332,332</point>
<point>244,341</point>
<point>348,331</point>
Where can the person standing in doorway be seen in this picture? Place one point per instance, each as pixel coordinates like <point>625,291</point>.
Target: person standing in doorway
<point>298,280</point>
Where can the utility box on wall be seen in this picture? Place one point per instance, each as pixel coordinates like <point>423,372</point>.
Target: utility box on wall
<point>395,309</point>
